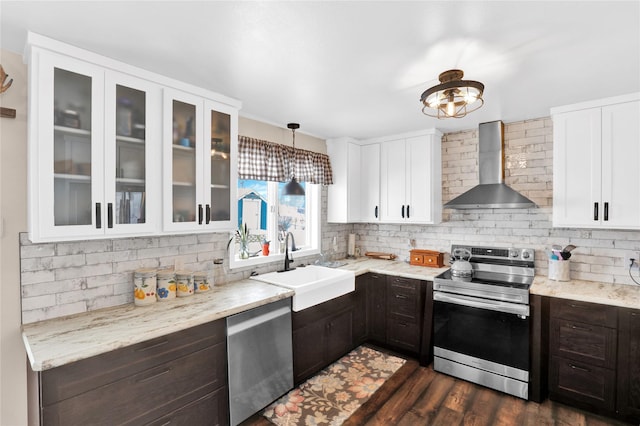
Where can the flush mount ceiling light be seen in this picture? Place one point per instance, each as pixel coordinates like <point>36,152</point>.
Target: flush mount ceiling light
<point>453,97</point>
<point>293,187</point>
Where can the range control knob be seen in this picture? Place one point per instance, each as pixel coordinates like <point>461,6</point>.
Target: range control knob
<point>526,254</point>
<point>514,253</point>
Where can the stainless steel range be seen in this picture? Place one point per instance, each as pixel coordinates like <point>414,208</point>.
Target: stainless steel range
<point>481,322</point>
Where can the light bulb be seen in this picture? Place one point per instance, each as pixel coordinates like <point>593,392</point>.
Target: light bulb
<point>451,108</point>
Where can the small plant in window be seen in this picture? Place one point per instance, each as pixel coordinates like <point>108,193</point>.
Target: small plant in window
<point>242,234</point>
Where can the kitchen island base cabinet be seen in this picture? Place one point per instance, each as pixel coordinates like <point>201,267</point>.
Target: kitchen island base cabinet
<point>143,382</point>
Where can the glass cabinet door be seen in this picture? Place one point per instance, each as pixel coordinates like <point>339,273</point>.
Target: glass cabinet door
<point>185,145</point>
<point>219,205</point>
<point>72,144</point>
<point>132,153</point>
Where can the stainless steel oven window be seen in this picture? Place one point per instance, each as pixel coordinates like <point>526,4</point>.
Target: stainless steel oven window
<point>495,336</point>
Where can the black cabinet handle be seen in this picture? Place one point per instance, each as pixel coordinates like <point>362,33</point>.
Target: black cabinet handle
<point>199,214</point>
<point>208,214</point>
<point>400,296</point>
<point>98,216</point>
<point>606,211</point>
<point>403,212</point>
<point>573,305</point>
<point>109,215</point>
<point>408,216</point>
<point>376,212</point>
<point>595,211</point>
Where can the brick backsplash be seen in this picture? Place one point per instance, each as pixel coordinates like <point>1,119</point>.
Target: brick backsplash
<point>59,279</point>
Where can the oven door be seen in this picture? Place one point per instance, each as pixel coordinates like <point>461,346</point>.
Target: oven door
<point>482,338</point>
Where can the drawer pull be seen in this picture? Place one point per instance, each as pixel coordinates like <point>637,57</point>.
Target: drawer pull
<point>162,373</point>
<point>400,296</point>
<point>577,327</point>
<point>146,348</point>
<point>403,324</point>
<point>578,306</point>
<point>575,367</point>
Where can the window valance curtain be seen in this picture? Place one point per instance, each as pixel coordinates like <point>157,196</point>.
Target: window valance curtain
<point>263,160</point>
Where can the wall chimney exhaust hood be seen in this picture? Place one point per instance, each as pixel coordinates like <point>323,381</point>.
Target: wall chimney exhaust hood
<point>491,193</point>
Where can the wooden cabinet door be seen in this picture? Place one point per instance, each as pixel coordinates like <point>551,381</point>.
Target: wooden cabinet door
<point>339,329</point>
<point>360,311</point>
<point>369,183</point>
<point>577,170</point>
<point>211,409</point>
<point>393,181</point>
<point>377,309</point>
<point>628,403</point>
<point>309,344</point>
<point>620,170</point>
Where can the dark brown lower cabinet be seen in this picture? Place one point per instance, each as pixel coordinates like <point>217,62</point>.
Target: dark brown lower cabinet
<point>377,307</point>
<point>142,383</point>
<point>582,348</point>
<point>594,357</point>
<point>629,365</point>
<point>321,335</point>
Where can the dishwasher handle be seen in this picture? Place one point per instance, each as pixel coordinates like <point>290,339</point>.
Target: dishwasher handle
<point>243,321</point>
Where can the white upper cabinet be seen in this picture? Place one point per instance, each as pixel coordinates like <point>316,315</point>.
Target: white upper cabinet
<point>411,179</point>
<point>370,183</point>
<point>200,163</point>
<point>596,152</point>
<point>343,197</point>
<point>388,180</point>
<point>95,149</point>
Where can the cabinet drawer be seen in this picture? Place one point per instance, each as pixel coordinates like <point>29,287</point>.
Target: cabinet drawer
<point>402,334</point>
<point>209,410</point>
<point>146,395</point>
<point>73,379</point>
<point>589,313</point>
<point>403,299</point>
<point>584,342</point>
<point>585,384</point>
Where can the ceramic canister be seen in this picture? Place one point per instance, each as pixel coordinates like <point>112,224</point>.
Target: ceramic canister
<point>184,283</point>
<point>202,282</point>
<point>144,287</point>
<point>166,285</point>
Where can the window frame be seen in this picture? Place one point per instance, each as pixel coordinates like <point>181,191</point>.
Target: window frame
<point>313,203</point>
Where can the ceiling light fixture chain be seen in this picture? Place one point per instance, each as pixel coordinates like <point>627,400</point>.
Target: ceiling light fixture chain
<point>453,97</point>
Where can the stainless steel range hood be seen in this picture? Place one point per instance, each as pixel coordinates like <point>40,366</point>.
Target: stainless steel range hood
<point>491,193</point>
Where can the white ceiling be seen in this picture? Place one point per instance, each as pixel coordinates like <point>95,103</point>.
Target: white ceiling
<point>358,68</point>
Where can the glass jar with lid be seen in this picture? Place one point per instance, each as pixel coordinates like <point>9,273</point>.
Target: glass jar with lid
<point>184,283</point>
<point>144,287</point>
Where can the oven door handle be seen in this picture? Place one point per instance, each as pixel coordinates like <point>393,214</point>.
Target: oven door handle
<point>493,305</point>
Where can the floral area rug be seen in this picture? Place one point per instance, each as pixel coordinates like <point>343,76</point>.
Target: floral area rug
<point>331,396</point>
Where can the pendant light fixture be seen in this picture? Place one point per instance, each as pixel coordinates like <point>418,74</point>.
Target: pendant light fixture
<point>453,97</point>
<point>293,187</point>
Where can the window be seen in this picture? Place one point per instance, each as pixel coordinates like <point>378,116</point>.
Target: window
<point>270,215</point>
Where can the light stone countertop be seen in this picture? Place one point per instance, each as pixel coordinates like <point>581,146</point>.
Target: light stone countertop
<point>622,295</point>
<point>60,341</point>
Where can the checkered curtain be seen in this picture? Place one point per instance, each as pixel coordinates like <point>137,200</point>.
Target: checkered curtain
<point>263,160</point>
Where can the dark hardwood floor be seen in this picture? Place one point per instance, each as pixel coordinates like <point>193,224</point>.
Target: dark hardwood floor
<point>420,396</point>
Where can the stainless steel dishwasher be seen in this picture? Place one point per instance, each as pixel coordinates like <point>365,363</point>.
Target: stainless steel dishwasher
<point>260,358</point>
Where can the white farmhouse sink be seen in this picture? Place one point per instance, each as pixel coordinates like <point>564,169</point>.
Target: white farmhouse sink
<point>312,284</point>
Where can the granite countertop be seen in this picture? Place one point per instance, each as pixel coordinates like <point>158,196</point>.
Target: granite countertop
<point>60,341</point>
<point>362,265</point>
<point>622,295</point>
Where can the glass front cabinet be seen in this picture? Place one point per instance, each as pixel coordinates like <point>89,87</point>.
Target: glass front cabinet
<point>97,138</point>
<point>199,162</point>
